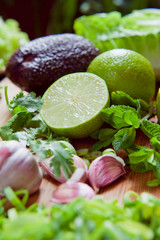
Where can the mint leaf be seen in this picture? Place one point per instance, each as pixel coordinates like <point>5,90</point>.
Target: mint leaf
<point>150,129</point>
<point>60,155</point>
<point>101,144</point>
<point>116,116</point>
<point>122,98</point>
<point>155,143</point>
<point>145,160</point>
<point>30,102</point>
<point>131,118</point>
<point>14,124</point>
<point>106,133</point>
<point>124,138</point>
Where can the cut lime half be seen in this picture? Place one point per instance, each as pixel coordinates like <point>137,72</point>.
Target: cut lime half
<point>72,104</point>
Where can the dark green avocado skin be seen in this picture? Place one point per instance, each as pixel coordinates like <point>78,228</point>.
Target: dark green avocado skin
<point>37,64</point>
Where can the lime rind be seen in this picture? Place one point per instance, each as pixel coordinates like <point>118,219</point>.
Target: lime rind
<point>73,103</point>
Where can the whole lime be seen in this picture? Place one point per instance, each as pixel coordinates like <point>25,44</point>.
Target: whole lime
<point>127,71</point>
<point>72,104</point>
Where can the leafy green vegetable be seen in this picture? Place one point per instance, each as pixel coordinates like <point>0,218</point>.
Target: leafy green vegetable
<point>138,219</point>
<point>138,31</point>
<point>11,39</point>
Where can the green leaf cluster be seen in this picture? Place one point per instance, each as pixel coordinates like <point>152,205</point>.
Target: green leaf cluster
<point>125,116</point>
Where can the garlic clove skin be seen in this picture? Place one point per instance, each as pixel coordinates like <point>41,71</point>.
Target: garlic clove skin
<point>19,169</point>
<point>66,193</point>
<point>77,176</point>
<point>105,170</point>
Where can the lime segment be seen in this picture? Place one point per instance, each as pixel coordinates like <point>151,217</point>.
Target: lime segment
<point>73,103</point>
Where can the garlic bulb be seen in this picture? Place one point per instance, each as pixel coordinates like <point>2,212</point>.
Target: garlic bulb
<point>67,192</point>
<point>79,175</point>
<point>105,169</point>
<point>18,168</point>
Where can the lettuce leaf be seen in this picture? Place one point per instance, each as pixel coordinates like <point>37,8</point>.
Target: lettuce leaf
<point>138,31</point>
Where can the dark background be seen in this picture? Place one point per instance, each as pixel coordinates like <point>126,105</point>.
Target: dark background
<point>43,17</point>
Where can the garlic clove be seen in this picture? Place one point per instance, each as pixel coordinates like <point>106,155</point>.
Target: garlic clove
<point>19,169</point>
<point>77,176</point>
<point>66,193</point>
<point>104,170</point>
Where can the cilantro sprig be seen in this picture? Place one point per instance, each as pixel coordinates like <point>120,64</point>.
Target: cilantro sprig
<point>27,125</point>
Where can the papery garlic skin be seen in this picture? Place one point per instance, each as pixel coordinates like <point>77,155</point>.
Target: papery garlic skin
<point>104,170</point>
<point>18,168</point>
<point>77,176</point>
<point>66,193</point>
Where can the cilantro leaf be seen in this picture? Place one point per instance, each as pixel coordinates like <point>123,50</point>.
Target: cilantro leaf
<point>16,123</point>
<point>59,153</point>
<point>30,102</point>
<point>124,138</point>
<point>118,118</point>
<point>150,129</point>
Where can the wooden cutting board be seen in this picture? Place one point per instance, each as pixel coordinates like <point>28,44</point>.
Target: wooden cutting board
<point>131,181</point>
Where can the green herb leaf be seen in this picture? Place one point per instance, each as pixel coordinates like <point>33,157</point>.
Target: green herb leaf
<point>14,124</point>
<point>124,138</point>
<point>101,144</point>
<point>150,129</point>
<point>30,102</point>
<point>122,98</point>
<point>61,156</point>
<point>118,118</point>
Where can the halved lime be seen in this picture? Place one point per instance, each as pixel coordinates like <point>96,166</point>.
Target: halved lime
<point>73,103</point>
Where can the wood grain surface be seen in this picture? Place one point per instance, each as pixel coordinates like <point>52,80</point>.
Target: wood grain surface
<point>130,181</point>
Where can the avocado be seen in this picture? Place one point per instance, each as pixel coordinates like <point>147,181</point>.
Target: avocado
<point>40,62</point>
